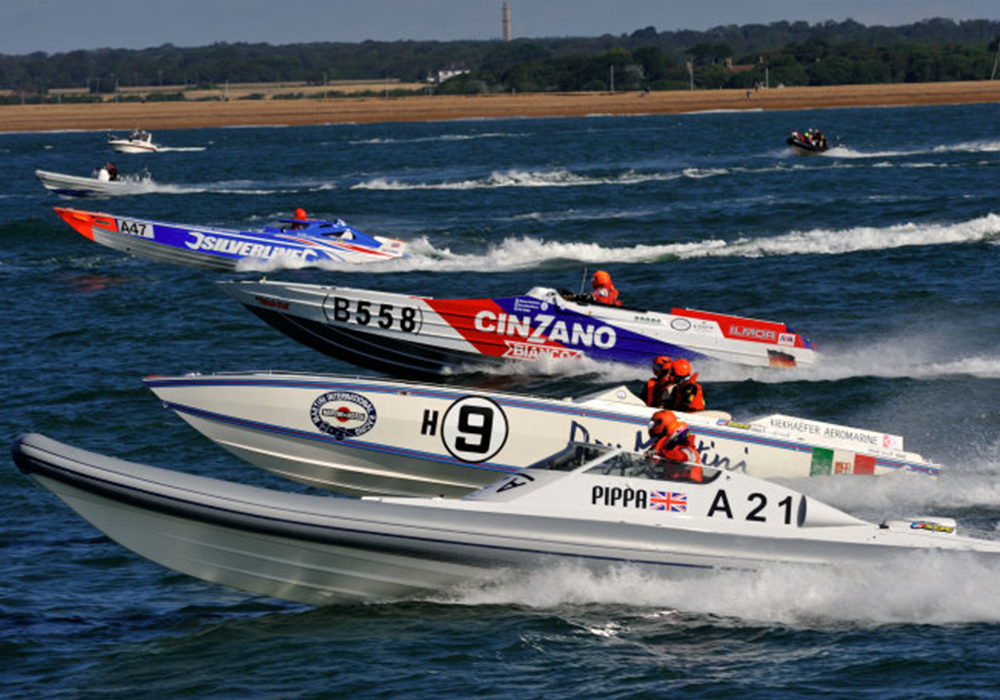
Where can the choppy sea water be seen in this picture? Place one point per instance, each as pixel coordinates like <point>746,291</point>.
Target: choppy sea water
<point>883,251</point>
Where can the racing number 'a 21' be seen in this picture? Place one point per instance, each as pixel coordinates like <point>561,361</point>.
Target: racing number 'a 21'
<point>758,504</point>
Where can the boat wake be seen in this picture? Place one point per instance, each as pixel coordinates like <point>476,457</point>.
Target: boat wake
<point>924,588</point>
<point>522,253</point>
<point>984,146</point>
<point>833,242</point>
<point>521,178</point>
<point>181,149</point>
<point>439,138</point>
<point>890,358</point>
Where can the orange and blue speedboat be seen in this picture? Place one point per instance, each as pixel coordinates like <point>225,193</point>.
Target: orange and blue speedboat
<point>296,242</point>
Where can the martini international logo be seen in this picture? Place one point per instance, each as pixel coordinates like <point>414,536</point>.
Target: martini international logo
<point>343,414</point>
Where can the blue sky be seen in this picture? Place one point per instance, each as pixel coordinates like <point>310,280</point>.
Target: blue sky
<point>56,26</point>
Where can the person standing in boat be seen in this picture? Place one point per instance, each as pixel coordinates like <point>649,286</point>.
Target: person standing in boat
<point>658,388</point>
<point>674,448</point>
<point>604,291</point>
<point>687,394</point>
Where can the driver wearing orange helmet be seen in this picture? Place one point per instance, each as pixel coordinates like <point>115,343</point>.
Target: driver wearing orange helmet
<point>687,395</point>
<point>300,214</point>
<point>674,446</point>
<point>659,386</point>
<point>604,291</point>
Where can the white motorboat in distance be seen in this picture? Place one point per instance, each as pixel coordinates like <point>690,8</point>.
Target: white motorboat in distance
<point>420,336</point>
<point>371,436</point>
<point>590,506</point>
<point>139,141</point>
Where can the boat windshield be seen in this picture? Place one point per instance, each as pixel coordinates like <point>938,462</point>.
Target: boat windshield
<point>647,466</point>
<point>573,456</point>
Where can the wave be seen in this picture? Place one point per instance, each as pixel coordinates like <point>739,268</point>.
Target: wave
<point>889,358</point>
<point>520,254</point>
<point>182,149</point>
<point>983,146</point>
<point>526,252</point>
<point>520,178</point>
<point>379,141</point>
<point>834,242</point>
<point>921,588</point>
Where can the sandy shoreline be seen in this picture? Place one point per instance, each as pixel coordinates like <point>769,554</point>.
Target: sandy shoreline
<point>159,116</point>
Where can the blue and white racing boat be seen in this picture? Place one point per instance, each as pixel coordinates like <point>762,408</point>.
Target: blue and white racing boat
<point>296,243</point>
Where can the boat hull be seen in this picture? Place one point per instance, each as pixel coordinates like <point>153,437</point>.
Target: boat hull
<point>365,436</point>
<point>319,550</point>
<point>422,337</point>
<point>221,249</point>
<point>133,146</point>
<point>75,186</point>
<point>804,148</point>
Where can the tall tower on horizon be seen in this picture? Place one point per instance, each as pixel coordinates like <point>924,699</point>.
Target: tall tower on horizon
<point>506,22</point>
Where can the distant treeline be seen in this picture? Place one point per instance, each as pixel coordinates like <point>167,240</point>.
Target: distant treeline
<point>790,53</point>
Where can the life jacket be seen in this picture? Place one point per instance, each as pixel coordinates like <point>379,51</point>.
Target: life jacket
<point>606,294</point>
<point>687,396</point>
<point>680,461</point>
<point>657,391</point>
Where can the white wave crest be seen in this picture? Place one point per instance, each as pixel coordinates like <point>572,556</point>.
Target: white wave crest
<point>519,178</point>
<point>833,242</point>
<point>523,253</point>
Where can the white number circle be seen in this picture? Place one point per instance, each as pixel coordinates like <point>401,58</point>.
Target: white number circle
<point>474,429</point>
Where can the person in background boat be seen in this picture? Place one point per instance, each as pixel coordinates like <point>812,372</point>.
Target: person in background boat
<point>687,394</point>
<point>300,213</point>
<point>658,388</point>
<point>674,448</point>
<point>604,290</point>
<point>108,173</point>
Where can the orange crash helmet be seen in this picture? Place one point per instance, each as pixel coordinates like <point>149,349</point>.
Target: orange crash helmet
<point>662,423</point>
<point>662,365</point>
<point>600,279</point>
<point>682,368</point>
<point>300,213</point>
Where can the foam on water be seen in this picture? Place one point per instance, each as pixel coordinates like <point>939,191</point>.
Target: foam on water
<point>559,177</point>
<point>920,588</point>
<point>529,252</point>
<point>834,242</point>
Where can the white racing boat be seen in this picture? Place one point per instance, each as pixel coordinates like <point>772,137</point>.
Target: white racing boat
<point>362,436</point>
<point>589,505</point>
<point>403,334</point>
<point>139,141</point>
<point>93,186</point>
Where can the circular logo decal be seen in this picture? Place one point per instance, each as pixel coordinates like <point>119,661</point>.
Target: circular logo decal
<point>474,429</point>
<point>343,414</point>
<point>680,324</point>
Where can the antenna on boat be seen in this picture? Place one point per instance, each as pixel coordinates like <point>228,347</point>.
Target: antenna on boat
<point>583,281</point>
<point>996,61</point>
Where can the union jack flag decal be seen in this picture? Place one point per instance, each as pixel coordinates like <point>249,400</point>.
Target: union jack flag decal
<point>669,501</point>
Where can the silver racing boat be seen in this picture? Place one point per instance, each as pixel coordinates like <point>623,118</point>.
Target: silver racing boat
<point>591,505</point>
